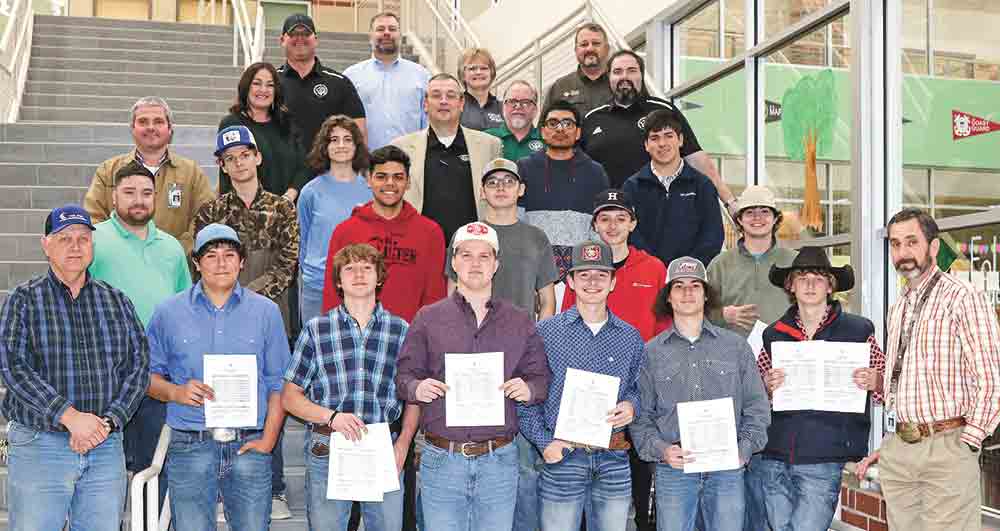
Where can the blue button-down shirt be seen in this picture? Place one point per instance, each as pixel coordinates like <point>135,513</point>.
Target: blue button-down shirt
<point>56,351</point>
<point>616,350</point>
<point>349,369</point>
<point>187,326</point>
<point>393,95</point>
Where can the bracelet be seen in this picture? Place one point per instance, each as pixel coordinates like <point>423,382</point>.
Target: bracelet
<point>330,422</point>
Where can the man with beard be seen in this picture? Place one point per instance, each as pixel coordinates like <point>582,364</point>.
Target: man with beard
<point>587,87</point>
<point>942,384</point>
<point>181,187</point>
<point>613,132</point>
<point>148,265</point>
<point>391,87</point>
<point>519,135</point>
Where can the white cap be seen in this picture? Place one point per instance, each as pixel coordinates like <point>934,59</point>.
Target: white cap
<point>476,230</point>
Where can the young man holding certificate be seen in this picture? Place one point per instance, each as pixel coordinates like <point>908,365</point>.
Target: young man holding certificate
<point>217,355</point>
<point>469,359</point>
<point>703,409</point>
<point>807,448</point>
<point>595,359</point>
<point>342,378</point>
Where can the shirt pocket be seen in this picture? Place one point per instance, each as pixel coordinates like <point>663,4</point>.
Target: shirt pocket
<point>721,376</point>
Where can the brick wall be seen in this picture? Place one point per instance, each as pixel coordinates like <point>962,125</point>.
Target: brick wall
<point>860,507</point>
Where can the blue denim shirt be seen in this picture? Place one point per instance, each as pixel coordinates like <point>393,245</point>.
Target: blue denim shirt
<point>187,326</point>
<point>393,96</point>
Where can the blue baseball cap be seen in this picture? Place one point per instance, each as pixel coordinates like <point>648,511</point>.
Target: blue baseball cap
<point>234,135</point>
<point>214,232</point>
<point>64,216</point>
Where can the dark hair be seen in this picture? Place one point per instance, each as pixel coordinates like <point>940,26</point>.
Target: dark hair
<point>927,224</point>
<point>319,156</point>
<point>386,154</point>
<point>278,111</point>
<point>130,169</point>
<point>215,244</point>
<point>790,278</point>
<point>638,59</point>
<point>560,105</point>
<point>662,307</point>
<point>443,75</point>
<point>659,120</point>
<point>778,218</point>
<point>358,252</point>
<point>590,26</point>
<point>383,14</point>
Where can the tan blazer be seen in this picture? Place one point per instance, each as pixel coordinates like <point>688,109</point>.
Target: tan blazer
<point>482,148</point>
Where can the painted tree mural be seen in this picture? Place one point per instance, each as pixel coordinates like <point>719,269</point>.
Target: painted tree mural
<point>809,112</point>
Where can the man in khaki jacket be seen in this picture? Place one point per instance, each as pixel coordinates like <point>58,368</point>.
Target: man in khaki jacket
<point>181,188</point>
<point>447,159</point>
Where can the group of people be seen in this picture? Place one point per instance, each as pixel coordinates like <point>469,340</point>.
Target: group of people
<point>369,223</point>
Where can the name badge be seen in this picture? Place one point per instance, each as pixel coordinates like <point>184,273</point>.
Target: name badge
<point>174,196</point>
<point>890,421</point>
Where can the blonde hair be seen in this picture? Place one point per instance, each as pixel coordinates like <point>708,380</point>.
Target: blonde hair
<point>473,53</point>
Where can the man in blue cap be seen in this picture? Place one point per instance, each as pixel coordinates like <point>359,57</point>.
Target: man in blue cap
<point>219,317</point>
<point>76,364</point>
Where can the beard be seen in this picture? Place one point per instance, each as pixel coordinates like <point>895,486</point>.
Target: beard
<point>140,219</point>
<point>626,93</point>
<point>519,122</point>
<point>915,269</point>
<point>591,59</point>
<point>386,47</point>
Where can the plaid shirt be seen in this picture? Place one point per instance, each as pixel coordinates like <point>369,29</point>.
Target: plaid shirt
<point>56,351</point>
<point>952,364</point>
<point>349,369</point>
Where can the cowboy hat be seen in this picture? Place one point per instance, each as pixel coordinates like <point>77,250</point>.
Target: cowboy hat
<point>813,258</point>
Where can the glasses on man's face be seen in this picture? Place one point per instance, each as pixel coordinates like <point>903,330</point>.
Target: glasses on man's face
<point>242,158</point>
<point>303,33</point>
<point>506,183</point>
<point>519,104</point>
<point>565,123</point>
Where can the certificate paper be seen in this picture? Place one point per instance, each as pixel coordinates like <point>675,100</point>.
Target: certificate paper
<point>818,375</point>
<point>583,411</point>
<point>362,470</point>
<point>756,338</point>
<point>708,431</point>
<point>233,379</point>
<point>474,397</point>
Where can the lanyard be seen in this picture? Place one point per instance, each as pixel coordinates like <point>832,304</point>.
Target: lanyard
<point>897,368</point>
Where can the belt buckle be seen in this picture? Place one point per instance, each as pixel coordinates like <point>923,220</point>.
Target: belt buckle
<point>909,432</point>
<point>462,449</point>
<point>223,435</point>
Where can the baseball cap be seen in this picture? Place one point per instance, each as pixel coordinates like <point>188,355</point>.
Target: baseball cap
<point>686,267</point>
<point>234,135</point>
<point>298,19</point>
<point>213,232</point>
<point>500,164</point>
<point>64,216</point>
<point>613,198</point>
<point>592,255</point>
<point>756,196</point>
<point>476,230</point>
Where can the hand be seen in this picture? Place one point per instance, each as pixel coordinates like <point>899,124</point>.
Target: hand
<point>516,389</point>
<point>867,379</point>
<point>430,389</point>
<point>622,414</point>
<point>291,194</point>
<point>349,425</point>
<point>87,431</point>
<point>775,379</point>
<point>863,465</point>
<point>676,456</point>
<point>193,393</point>
<point>258,445</point>
<point>742,316</point>
<point>555,450</point>
<point>400,450</point>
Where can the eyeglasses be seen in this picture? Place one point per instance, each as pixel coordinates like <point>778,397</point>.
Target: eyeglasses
<point>519,103</point>
<point>477,68</point>
<point>494,184</point>
<point>565,123</point>
<point>242,158</point>
<point>299,33</point>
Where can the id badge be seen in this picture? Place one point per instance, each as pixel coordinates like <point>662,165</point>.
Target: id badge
<point>890,421</point>
<point>174,196</point>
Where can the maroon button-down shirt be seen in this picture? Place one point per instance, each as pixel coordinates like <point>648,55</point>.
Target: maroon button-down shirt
<point>449,326</point>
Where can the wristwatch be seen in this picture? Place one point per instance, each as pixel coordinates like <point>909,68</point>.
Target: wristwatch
<point>111,422</point>
<point>330,421</point>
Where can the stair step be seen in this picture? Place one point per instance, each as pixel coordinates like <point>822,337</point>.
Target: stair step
<point>145,52</point>
<point>78,153</point>
<point>14,273</point>
<point>35,99</point>
<point>45,174</point>
<point>64,114</point>
<point>99,133</point>
<point>135,67</point>
<point>25,246</point>
<point>44,21</point>
<point>22,221</point>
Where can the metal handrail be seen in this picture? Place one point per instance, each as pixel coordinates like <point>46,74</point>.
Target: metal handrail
<point>425,55</point>
<point>150,479</point>
<point>20,18</point>
<point>505,64</point>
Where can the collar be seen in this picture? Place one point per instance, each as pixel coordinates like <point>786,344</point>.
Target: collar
<point>919,289</point>
<point>379,64</point>
<point>572,315</point>
<point>433,142</point>
<point>706,326</point>
<point>791,324</point>
<point>463,304</point>
<point>164,160</point>
<point>198,292</point>
<point>667,179</point>
<point>743,249</point>
<point>60,284</point>
<point>287,69</point>
<point>232,197</point>
<point>490,100</point>
<point>603,78</point>
<point>151,232</point>
<point>342,315</point>
<point>533,134</point>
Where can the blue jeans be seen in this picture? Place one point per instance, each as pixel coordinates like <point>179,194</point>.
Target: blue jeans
<point>601,481</point>
<point>529,463</point>
<point>202,468</point>
<point>47,482</point>
<point>801,497</point>
<point>278,464</point>
<point>468,493</point>
<point>334,514</point>
<point>310,301</point>
<point>717,496</point>
<point>756,513</point>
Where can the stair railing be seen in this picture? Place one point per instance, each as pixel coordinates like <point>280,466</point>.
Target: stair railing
<point>438,33</point>
<point>149,479</point>
<point>15,47</point>
<point>249,39</point>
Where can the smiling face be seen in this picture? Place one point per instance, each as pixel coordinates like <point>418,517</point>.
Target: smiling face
<point>340,146</point>
<point>560,130</point>
<point>388,183</point>
<point>70,251</point>
<point>150,128</point>
<point>520,107</point>
<point>502,189</point>
<point>358,279</point>
<point>664,146</point>
<point>912,255</point>
<point>219,266</point>
<point>625,78</point>
<point>299,44</point>
<point>385,37</point>
<point>443,101</point>
<point>591,49</point>
<point>134,200</point>
<point>614,225</point>
<point>687,297</point>
<point>757,222</point>
<point>475,263</point>
<point>261,95</point>
<point>592,286</point>
<point>476,74</point>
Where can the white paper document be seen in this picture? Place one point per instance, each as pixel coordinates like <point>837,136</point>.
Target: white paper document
<point>233,379</point>
<point>583,411</point>
<point>818,375</point>
<point>474,397</point>
<point>362,470</point>
<point>708,431</point>
<point>756,338</point>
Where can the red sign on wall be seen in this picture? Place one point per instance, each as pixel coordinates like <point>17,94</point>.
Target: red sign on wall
<point>965,125</point>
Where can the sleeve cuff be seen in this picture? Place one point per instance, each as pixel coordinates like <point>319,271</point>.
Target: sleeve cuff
<point>411,391</point>
<point>536,390</point>
<point>660,446</point>
<point>973,435</point>
<point>58,409</point>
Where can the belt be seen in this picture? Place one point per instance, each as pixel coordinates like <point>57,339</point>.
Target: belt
<point>618,442</point>
<point>320,449</point>
<point>468,448</point>
<point>325,429</point>
<point>912,432</point>
<point>204,435</point>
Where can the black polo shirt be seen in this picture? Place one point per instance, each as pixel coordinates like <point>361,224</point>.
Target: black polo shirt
<point>321,94</point>
<point>613,135</point>
<point>584,93</point>
<point>448,195</point>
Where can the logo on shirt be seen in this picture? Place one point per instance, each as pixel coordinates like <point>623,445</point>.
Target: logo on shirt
<point>571,93</point>
<point>535,145</point>
<point>597,131</point>
<point>591,253</point>
<point>393,252</point>
<point>494,117</point>
<point>464,158</point>
<point>641,124</point>
<point>641,285</point>
<point>321,90</point>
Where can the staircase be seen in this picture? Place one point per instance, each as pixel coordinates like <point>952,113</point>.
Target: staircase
<point>84,76</point>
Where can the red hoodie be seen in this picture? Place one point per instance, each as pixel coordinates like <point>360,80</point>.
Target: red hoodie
<point>636,285</point>
<point>413,247</point>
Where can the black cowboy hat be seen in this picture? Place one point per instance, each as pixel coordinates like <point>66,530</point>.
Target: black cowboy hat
<point>813,258</point>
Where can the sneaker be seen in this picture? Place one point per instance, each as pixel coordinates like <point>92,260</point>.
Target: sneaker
<point>279,507</point>
<point>220,513</point>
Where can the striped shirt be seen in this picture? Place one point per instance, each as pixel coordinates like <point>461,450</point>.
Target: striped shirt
<point>952,363</point>
<point>349,369</point>
<point>56,351</point>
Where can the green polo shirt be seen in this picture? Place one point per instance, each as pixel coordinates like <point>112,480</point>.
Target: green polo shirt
<point>147,271</point>
<point>514,150</point>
